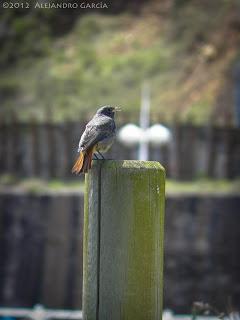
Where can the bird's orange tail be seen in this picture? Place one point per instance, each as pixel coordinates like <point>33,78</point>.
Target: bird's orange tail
<point>78,164</point>
<point>84,162</point>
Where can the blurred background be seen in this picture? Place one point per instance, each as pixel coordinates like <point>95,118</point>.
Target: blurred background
<point>57,67</point>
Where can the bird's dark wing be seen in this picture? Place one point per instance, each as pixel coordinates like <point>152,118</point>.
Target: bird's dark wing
<point>99,128</point>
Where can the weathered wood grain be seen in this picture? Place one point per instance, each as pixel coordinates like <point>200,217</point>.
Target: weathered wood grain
<point>123,241</point>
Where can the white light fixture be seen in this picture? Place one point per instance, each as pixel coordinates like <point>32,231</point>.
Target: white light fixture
<point>130,135</point>
<point>158,135</point>
<point>143,135</point>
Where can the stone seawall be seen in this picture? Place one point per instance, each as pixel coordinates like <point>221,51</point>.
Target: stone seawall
<point>41,249</point>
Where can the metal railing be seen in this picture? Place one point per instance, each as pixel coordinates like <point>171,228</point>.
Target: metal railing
<point>41,313</point>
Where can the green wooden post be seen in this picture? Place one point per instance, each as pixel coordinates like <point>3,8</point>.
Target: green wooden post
<point>123,241</point>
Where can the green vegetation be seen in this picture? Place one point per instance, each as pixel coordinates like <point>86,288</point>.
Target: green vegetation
<point>204,186</point>
<point>37,185</point>
<point>104,59</point>
<point>199,186</point>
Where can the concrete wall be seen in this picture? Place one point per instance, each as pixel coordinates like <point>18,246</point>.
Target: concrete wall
<point>202,254</point>
<point>41,250</point>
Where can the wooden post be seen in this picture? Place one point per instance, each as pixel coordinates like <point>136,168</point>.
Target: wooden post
<point>123,241</point>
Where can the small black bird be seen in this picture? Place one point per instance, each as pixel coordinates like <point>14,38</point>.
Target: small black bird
<point>98,137</point>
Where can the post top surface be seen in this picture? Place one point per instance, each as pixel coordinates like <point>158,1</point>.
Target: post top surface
<point>129,164</point>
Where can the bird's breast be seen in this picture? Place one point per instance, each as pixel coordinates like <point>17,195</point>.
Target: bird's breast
<point>105,144</point>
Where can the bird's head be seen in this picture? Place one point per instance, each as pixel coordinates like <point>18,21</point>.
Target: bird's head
<point>108,111</point>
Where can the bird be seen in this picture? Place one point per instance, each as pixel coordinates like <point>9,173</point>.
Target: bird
<point>97,137</point>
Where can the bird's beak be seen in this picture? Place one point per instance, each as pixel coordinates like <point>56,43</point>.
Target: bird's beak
<point>117,109</point>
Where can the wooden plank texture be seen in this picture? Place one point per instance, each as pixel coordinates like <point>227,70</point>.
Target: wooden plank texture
<point>123,241</point>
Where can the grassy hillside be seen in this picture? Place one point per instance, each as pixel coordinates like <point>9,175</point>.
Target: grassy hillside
<point>184,49</point>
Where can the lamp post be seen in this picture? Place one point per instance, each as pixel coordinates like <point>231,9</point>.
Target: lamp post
<point>143,153</point>
<point>132,135</point>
